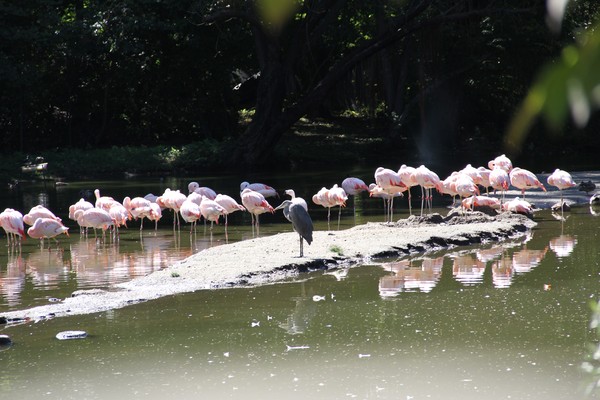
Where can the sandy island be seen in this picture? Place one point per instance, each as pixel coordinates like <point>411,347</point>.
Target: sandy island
<point>274,258</point>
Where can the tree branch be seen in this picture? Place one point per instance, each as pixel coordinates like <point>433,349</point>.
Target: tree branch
<point>229,14</point>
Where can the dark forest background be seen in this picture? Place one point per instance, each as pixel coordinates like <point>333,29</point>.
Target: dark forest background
<point>241,78</point>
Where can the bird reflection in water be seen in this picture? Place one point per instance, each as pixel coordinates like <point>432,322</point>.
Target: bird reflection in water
<point>417,275</point>
<point>304,311</point>
<point>526,259</point>
<point>12,282</point>
<point>563,245</point>
<point>467,269</point>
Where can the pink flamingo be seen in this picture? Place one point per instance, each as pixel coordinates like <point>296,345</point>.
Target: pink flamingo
<point>337,197</point>
<point>95,218</point>
<point>120,215</point>
<point>484,173</point>
<point>47,228</point>
<point>388,198</point>
<point>12,223</point>
<point>155,215</point>
<point>255,204</point>
<point>190,212</point>
<point>138,207</point>
<point>499,180</point>
<point>103,202</point>
<point>518,206</point>
<point>172,199</point>
<point>501,161</point>
<point>211,210</point>
<point>428,180</point>
<point>229,204</point>
<point>207,192</point>
<point>407,175</point>
<point>465,187</point>
<point>265,190</point>
<point>524,179</point>
<point>39,211</point>
<point>321,198</point>
<point>562,180</point>
<point>353,187</point>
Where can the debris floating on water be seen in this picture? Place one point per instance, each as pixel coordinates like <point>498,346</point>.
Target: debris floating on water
<point>296,347</point>
<point>318,298</point>
<point>67,335</point>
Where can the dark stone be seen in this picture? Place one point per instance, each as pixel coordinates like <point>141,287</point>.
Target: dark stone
<point>5,342</point>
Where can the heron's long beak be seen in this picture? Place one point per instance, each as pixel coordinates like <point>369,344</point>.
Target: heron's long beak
<point>279,207</point>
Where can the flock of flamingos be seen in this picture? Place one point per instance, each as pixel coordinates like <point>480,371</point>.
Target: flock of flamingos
<point>203,202</point>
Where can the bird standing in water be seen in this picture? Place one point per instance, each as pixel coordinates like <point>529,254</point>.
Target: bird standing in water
<point>562,180</point>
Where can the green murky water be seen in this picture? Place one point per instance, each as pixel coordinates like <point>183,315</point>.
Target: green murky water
<point>500,321</point>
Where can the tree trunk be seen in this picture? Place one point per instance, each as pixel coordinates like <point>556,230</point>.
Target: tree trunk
<point>267,126</point>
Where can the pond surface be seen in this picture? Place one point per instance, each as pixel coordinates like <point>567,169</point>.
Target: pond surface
<point>499,321</point>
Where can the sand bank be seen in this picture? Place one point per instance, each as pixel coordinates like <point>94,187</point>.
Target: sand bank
<point>269,259</point>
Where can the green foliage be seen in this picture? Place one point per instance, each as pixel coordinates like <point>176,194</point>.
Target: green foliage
<point>337,250</point>
<point>79,163</point>
<point>572,83</point>
<point>91,74</point>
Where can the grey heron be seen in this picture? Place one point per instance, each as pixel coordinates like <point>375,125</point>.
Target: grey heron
<point>301,221</point>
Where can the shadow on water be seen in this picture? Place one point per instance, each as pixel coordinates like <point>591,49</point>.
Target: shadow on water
<point>496,321</point>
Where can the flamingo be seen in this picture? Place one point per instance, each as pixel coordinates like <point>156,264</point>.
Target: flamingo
<point>172,199</point>
<point>473,173</point>
<point>138,207</point>
<point>485,177</point>
<point>387,178</point>
<point>448,186</point>
<point>407,175</point>
<point>562,180</point>
<point>95,218</point>
<point>155,215</point>
<point>39,211</point>
<point>337,197</point>
<point>190,212</point>
<point>82,204</point>
<point>519,206</point>
<point>390,182</point>
<point>103,202</point>
<point>211,210</point>
<point>265,190</point>
<point>501,161</point>
<point>481,201</point>
<point>229,204</point>
<point>151,197</point>
<point>47,228</point>
<point>428,180</point>
<point>255,204</point>
<point>321,198</point>
<point>12,223</point>
<point>524,179</point>
<point>207,192</point>
<point>499,180</point>
<point>120,215</point>
<point>465,187</point>
<point>388,198</point>
<point>353,187</point>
